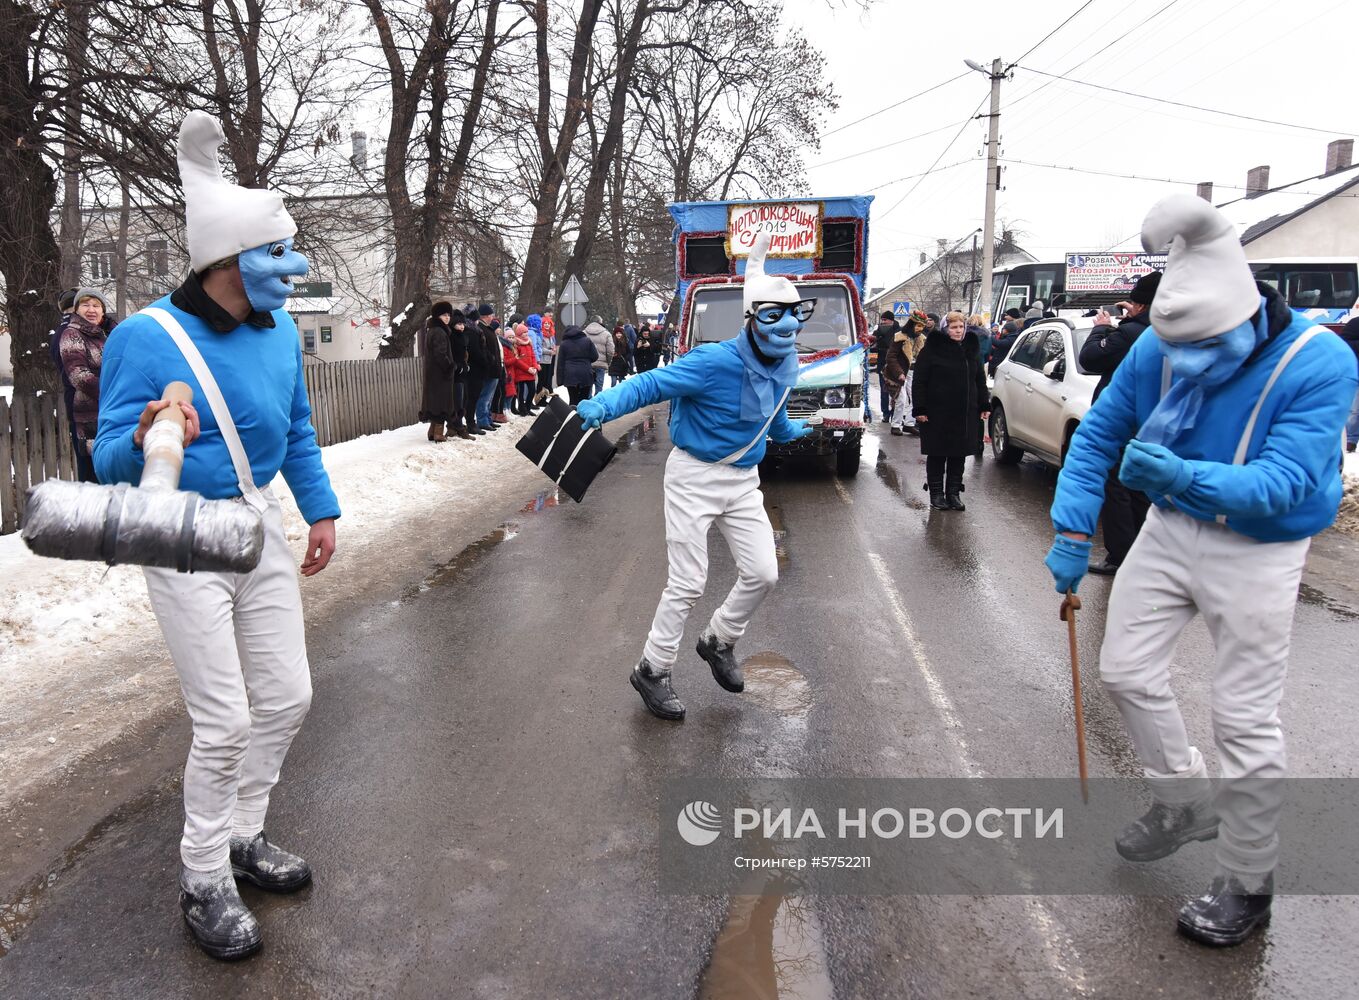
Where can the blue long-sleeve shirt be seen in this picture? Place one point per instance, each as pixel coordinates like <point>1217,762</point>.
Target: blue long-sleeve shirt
<point>259,370</point>
<point>1289,486</point>
<point>705,414</point>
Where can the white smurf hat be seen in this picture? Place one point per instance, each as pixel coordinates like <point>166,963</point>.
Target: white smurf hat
<point>1207,287</point>
<point>761,287</point>
<point>222,219</point>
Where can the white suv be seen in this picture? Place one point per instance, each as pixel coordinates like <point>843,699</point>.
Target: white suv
<point>1041,393</point>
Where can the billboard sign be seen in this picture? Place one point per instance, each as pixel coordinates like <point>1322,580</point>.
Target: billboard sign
<point>1109,272</point>
<point>794,228</point>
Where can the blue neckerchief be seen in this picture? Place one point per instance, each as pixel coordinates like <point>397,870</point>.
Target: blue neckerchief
<point>1178,410</point>
<point>762,387</point>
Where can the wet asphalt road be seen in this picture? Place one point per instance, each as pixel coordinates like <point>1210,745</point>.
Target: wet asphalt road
<point>476,785</point>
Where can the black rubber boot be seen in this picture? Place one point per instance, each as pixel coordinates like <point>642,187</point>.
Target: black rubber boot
<point>721,657</point>
<point>657,694</point>
<point>1164,829</point>
<point>951,497</point>
<point>1227,913</point>
<point>222,925</point>
<point>936,488</point>
<point>268,866</point>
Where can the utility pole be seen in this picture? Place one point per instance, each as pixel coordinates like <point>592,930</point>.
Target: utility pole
<point>996,74</point>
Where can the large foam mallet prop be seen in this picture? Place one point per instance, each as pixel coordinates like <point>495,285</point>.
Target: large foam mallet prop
<point>1070,605</point>
<point>152,524</point>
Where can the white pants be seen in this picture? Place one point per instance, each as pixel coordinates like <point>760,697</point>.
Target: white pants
<point>697,493</point>
<point>1246,591</point>
<point>239,648</point>
<point>901,415</point>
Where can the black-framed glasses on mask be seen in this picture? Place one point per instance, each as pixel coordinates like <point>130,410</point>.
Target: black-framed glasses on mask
<point>772,312</point>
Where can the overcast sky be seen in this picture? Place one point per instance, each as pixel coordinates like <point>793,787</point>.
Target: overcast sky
<point>1287,61</point>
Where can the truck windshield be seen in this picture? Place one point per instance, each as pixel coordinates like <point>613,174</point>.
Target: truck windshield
<point>718,316</point>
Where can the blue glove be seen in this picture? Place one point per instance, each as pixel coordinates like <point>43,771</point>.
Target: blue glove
<point>590,412</point>
<point>1068,560</point>
<point>1154,468</point>
<point>804,429</point>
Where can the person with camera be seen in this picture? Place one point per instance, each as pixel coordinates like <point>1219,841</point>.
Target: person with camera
<point>1103,351</point>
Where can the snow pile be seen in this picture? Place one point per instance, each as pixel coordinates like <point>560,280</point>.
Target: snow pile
<point>1348,518</point>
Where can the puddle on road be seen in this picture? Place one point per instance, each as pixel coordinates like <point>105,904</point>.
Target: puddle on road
<point>1308,594</point>
<point>774,684</point>
<point>770,948</point>
<point>891,476</point>
<point>642,437</point>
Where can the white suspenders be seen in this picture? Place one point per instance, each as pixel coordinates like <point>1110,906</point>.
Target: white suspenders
<point>244,480</point>
<point>736,456</point>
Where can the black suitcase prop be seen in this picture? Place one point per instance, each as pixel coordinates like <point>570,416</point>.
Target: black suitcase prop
<point>568,454</point>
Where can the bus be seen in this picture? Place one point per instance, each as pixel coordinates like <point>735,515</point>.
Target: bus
<point>1324,289</point>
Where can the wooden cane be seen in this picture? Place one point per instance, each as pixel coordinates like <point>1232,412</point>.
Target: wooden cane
<point>1070,605</point>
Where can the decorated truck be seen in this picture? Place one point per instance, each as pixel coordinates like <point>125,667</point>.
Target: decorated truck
<point>822,245</point>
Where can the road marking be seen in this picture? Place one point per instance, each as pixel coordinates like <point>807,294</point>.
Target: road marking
<point>1056,943</point>
<point>943,704</point>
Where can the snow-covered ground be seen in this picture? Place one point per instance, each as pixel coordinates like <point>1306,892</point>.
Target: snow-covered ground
<point>80,653</point>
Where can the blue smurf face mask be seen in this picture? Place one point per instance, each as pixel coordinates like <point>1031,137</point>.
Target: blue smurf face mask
<point>778,324</point>
<point>1215,360</point>
<point>266,272</point>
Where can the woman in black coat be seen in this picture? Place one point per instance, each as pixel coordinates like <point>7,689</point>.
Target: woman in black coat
<point>576,356</point>
<point>458,344</point>
<point>436,402</point>
<point>949,395</point>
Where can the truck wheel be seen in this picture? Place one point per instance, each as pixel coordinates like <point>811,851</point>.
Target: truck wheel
<point>847,462</point>
<point>1001,446</point>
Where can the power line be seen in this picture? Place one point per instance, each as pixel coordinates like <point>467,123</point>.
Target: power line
<point>1118,39</point>
<point>875,149</point>
<point>923,173</point>
<point>1055,30</point>
<point>896,105</point>
<point>1192,107</point>
<point>1166,180</point>
<point>962,128</point>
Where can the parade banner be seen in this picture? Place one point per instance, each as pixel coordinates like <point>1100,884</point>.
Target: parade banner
<point>1109,272</point>
<point>794,228</point>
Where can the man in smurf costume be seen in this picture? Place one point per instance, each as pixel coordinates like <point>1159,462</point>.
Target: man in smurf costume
<point>237,640</point>
<point>1231,416</point>
<point>726,398</point>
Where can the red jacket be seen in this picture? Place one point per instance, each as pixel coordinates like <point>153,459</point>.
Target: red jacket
<point>525,363</point>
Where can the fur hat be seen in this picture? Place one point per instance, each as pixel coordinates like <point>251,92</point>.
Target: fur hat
<point>458,317</point>
<point>1207,287</point>
<point>222,219</point>
<point>761,287</point>
<point>440,307</point>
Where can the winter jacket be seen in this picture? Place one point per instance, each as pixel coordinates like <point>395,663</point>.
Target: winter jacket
<point>948,387</point>
<point>82,355</point>
<point>1000,349</point>
<point>1289,486</point>
<point>1350,335</point>
<point>258,366</point>
<point>603,341</point>
<point>525,363</point>
<point>896,364</point>
<point>459,347</point>
<point>491,350</point>
<point>645,352</point>
<point>618,364</point>
<point>704,387</point>
<point>508,363</point>
<point>984,340</point>
<point>478,364</point>
<point>575,359</point>
<point>882,342</point>
<point>1106,347</point>
<point>436,401</point>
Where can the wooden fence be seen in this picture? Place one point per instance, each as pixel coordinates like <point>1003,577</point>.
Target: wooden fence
<point>348,400</point>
